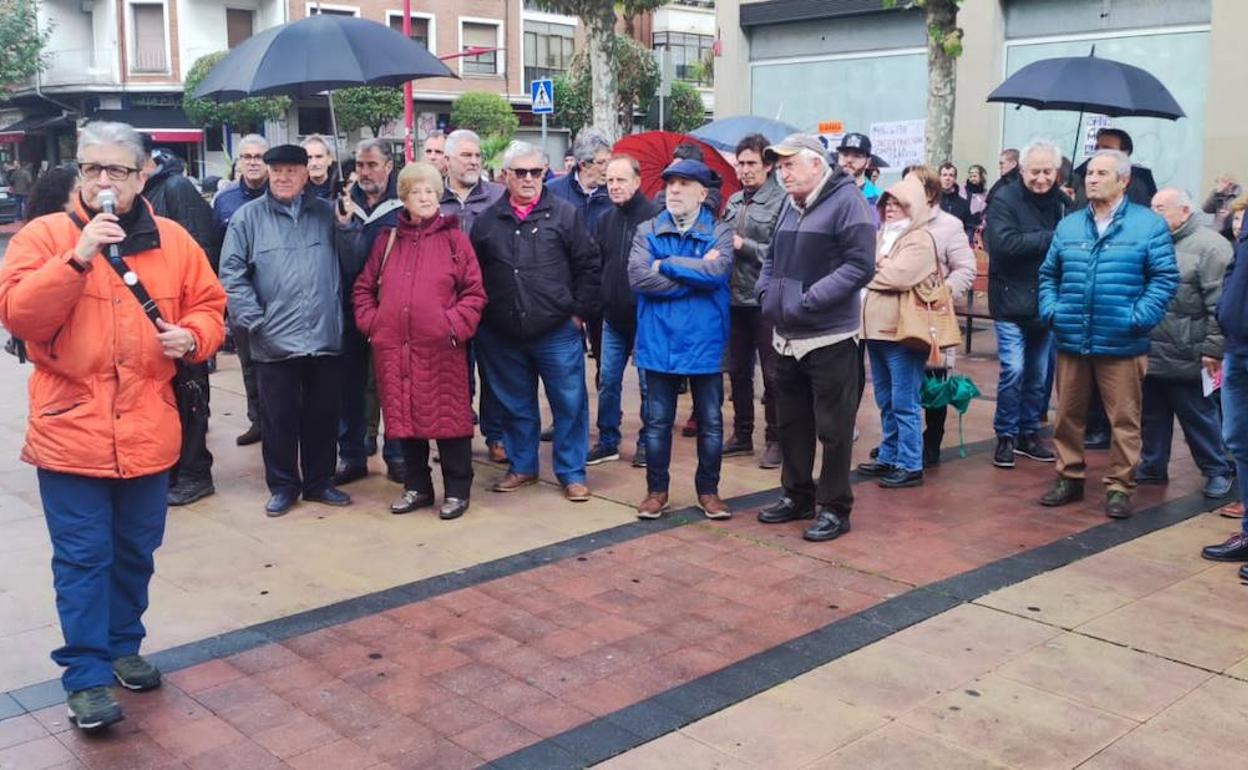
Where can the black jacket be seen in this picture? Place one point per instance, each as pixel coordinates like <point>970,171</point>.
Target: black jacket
<point>1140,189</point>
<point>1233,304</point>
<point>538,272</point>
<point>1009,176</point>
<point>953,203</point>
<point>173,196</point>
<point>615,240</point>
<point>1019,228</point>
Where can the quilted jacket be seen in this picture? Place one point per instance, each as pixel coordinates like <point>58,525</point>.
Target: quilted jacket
<point>419,312</point>
<point>1103,294</point>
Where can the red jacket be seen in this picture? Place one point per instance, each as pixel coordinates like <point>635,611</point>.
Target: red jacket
<point>419,318</point>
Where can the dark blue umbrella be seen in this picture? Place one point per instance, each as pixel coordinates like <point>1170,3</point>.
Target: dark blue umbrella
<point>318,54</point>
<point>724,134</point>
<point>1089,84</point>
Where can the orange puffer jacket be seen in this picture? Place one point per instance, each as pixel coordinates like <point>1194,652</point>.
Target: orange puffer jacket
<point>101,396</point>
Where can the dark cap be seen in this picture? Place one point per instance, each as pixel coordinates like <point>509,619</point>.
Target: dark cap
<point>855,143</point>
<point>688,169</point>
<point>290,154</point>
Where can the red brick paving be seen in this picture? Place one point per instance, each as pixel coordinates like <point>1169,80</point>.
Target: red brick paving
<point>476,674</point>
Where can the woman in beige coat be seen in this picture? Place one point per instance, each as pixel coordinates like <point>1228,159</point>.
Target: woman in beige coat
<point>905,257</point>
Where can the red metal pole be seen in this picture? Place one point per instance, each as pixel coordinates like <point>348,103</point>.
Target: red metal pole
<point>409,112</point>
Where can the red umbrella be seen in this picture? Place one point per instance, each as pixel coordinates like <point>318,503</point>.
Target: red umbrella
<point>653,150</point>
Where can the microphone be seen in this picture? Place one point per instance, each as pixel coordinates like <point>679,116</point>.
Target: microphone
<point>108,202</point>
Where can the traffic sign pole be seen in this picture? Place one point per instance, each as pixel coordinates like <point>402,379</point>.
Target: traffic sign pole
<point>542,102</point>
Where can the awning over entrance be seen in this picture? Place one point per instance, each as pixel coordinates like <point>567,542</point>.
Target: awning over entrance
<point>167,126</point>
<point>15,132</point>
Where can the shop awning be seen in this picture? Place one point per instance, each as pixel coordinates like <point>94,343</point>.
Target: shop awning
<point>169,126</point>
<point>15,132</point>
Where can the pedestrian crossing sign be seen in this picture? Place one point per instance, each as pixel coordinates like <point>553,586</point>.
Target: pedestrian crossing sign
<point>542,96</point>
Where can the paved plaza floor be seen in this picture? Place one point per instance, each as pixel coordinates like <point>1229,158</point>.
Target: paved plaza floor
<point>958,625</point>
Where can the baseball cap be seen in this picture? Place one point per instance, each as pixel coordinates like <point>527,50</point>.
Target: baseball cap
<point>855,142</point>
<point>792,145</point>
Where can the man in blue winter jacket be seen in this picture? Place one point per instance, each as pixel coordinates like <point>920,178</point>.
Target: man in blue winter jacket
<point>679,267</point>
<point>1105,283</point>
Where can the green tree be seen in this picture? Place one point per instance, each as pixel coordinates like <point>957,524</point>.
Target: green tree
<point>209,113</point>
<point>684,110</point>
<point>944,46</point>
<point>367,107</point>
<point>598,16</point>
<point>637,82</point>
<point>21,42</point>
<point>486,113</point>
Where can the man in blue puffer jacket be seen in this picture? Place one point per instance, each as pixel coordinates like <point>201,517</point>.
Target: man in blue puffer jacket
<point>679,267</point>
<point>1105,283</point>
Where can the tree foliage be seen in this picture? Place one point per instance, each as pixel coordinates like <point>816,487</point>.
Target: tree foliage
<point>601,52</point>
<point>486,113</point>
<point>209,113</point>
<point>367,107</point>
<point>637,81</point>
<point>683,111</point>
<point>21,42</point>
<point>944,46</point>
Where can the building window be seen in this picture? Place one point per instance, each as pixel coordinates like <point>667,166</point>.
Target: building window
<point>692,56</point>
<point>149,38</point>
<point>420,29</point>
<point>324,10</point>
<point>240,24</point>
<point>479,35</point>
<point>548,49</point>
<point>315,120</point>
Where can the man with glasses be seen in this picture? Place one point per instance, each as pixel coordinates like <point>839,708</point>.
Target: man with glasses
<point>541,272</point>
<point>585,187</point>
<point>103,429</point>
<point>253,182</point>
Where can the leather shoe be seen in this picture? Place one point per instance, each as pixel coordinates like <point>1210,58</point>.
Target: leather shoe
<point>1064,492</point>
<point>828,526</point>
<point>1234,549</point>
<point>1243,572</point>
<point>410,500</point>
<point>1118,505</point>
<point>576,493</point>
<point>251,436</point>
<point>785,510</point>
<point>1218,486</point>
<point>900,477</point>
<point>281,502</point>
<point>875,469</point>
<point>496,451</point>
<point>513,481</point>
<point>690,428</point>
<point>1096,441</point>
<point>653,506</point>
<point>345,474</point>
<point>452,508</point>
<point>187,492</point>
<point>738,445</point>
<point>328,496</point>
<point>714,507</point>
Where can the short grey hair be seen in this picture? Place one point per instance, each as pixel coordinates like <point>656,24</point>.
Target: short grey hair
<point>518,149</point>
<point>310,138</point>
<point>588,144</point>
<point>380,145</point>
<point>1041,146</point>
<point>254,139</point>
<point>1181,198</point>
<point>102,132</point>
<point>1122,161</point>
<point>461,135</point>
<point>810,154</point>
<point>436,133</point>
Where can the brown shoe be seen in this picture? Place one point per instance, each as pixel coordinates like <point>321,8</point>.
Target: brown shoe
<point>1232,511</point>
<point>713,507</point>
<point>576,493</point>
<point>653,506</point>
<point>513,481</point>
<point>497,453</point>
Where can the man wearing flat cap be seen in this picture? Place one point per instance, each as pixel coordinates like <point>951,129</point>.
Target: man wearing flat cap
<point>822,254</point>
<point>679,267</point>
<point>282,265</point>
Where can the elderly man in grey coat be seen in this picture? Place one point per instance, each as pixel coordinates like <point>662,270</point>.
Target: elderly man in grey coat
<point>1186,348</point>
<point>282,265</point>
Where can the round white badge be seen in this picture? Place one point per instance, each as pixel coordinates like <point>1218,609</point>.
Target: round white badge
<point>130,278</point>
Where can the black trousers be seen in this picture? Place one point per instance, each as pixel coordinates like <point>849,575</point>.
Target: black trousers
<point>242,346</point>
<point>455,457</point>
<point>934,423</point>
<point>195,461</point>
<point>750,336</point>
<point>817,398</point>
<point>300,399</point>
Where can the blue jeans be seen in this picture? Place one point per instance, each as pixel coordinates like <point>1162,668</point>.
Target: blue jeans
<point>708,399</point>
<point>356,361</point>
<point>1198,416</point>
<point>1235,418</point>
<point>896,376</point>
<point>104,533</point>
<point>1022,389</point>
<point>616,348</point>
<point>489,414</point>
<point>513,368</point>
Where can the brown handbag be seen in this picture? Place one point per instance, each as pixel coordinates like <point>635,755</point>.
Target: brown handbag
<point>926,320</point>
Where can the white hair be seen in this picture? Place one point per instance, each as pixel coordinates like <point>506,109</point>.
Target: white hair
<point>1181,198</point>
<point>102,132</point>
<point>588,144</point>
<point>810,154</point>
<point>1122,161</point>
<point>518,149</point>
<point>461,135</point>
<point>1041,146</point>
<point>329,150</point>
<point>254,139</point>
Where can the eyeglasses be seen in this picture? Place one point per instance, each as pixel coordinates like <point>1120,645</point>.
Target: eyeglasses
<point>115,173</point>
<point>251,158</point>
<point>521,173</point>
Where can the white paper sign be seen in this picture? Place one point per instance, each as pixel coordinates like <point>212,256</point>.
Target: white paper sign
<point>1093,124</point>
<point>899,142</point>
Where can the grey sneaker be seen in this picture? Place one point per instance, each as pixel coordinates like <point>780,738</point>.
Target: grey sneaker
<point>772,456</point>
<point>94,709</point>
<point>135,673</point>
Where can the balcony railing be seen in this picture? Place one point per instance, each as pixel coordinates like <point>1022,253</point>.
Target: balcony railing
<point>149,60</point>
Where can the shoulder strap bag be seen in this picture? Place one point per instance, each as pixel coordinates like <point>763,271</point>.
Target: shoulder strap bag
<point>926,320</point>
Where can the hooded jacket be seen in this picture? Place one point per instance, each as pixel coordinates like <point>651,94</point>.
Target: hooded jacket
<point>1190,328</point>
<point>173,196</point>
<point>818,262</point>
<point>284,275</point>
<point>682,304</point>
<point>755,222</point>
<point>1019,229</point>
<point>615,235</point>
<point>910,261</point>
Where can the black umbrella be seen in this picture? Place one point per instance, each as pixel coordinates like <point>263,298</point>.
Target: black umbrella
<point>1088,84</point>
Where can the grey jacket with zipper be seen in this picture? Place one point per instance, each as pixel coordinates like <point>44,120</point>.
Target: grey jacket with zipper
<point>284,276</point>
<point>755,222</point>
<point>1190,327</point>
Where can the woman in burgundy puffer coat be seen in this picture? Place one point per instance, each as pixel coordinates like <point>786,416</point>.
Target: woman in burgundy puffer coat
<point>418,301</point>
